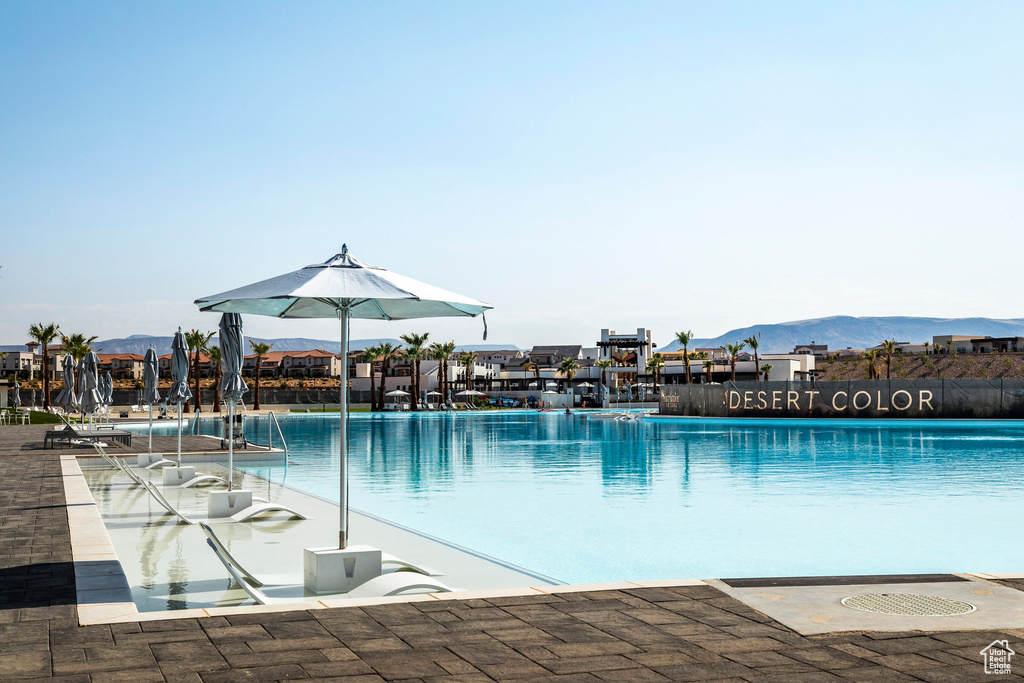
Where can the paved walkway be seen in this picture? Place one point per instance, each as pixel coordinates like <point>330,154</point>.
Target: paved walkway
<point>673,634</point>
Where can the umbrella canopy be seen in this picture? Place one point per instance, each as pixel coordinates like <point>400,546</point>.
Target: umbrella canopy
<point>232,355</point>
<point>89,397</point>
<point>150,375</point>
<point>549,392</point>
<point>342,282</point>
<point>398,392</point>
<point>179,391</point>
<point>108,389</point>
<point>16,400</point>
<point>434,393</point>
<point>532,385</point>
<point>470,392</point>
<point>586,385</point>
<point>67,398</point>
<point>343,287</point>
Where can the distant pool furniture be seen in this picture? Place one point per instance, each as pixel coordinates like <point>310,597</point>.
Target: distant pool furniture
<point>395,583</point>
<point>71,434</point>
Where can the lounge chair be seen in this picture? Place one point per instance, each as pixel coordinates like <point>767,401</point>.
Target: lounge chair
<point>204,479</point>
<point>159,497</point>
<point>260,507</point>
<point>384,585</point>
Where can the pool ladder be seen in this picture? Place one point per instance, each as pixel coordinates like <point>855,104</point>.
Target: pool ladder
<point>271,418</point>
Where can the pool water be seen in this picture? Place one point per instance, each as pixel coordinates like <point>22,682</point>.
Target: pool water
<point>586,500</point>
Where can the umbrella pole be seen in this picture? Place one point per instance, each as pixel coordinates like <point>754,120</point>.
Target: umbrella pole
<point>179,433</point>
<point>151,428</point>
<point>343,412</point>
<point>231,443</point>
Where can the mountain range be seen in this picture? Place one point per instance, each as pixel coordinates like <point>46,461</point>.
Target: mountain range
<point>838,332</point>
<point>843,331</point>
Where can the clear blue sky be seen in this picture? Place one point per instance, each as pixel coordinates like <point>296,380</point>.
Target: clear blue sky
<point>675,165</point>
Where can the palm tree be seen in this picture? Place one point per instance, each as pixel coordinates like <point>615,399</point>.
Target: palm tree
<point>709,369</point>
<point>871,356</point>
<point>388,352</point>
<point>733,350</point>
<point>753,341</point>
<point>442,352</point>
<point>889,349</point>
<point>261,349</point>
<point>198,343</point>
<point>371,354</point>
<point>926,345</point>
<point>468,361</point>
<point>654,365</point>
<point>44,334</point>
<point>569,368</point>
<point>766,369</point>
<point>215,357</point>
<point>684,339</point>
<point>78,347</point>
<point>415,352</point>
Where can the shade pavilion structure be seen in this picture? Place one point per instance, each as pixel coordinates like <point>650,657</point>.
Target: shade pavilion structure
<point>343,287</point>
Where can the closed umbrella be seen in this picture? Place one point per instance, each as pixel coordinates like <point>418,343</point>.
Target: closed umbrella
<point>16,399</point>
<point>89,396</point>
<point>150,376</point>
<point>343,287</point>
<point>232,386</point>
<point>108,391</point>
<point>67,398</point>
<point>179,391</point>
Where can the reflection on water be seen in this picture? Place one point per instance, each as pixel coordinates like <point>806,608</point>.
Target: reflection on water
<point>595,500</point>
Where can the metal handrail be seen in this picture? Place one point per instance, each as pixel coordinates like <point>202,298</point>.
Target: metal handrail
<point>270,435</point>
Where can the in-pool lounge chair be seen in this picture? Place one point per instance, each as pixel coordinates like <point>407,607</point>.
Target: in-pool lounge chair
<point>389,563</point>
<point>395,583</point>
<point>259,507</point>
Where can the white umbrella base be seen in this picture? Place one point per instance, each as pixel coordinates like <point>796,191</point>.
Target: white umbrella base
<point>176,476</point>
<point>227,503</point>
<point>330,570</point>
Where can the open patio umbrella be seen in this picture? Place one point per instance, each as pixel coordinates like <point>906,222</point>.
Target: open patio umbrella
<point>67,398</point>
<point>89,397</point>
<point>150,395</point>
<point>179,391</point>
<point>343,287</point>
<point>232,386</point>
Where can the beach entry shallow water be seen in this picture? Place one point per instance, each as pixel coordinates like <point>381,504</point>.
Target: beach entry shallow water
<point>586,500</point>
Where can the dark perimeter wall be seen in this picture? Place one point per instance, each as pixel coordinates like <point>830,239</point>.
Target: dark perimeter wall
<point>928,398</point>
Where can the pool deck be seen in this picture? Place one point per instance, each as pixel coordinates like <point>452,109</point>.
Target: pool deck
<point>618,633</point>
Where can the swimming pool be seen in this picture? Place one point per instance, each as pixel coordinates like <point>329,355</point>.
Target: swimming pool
<point>592,500</point>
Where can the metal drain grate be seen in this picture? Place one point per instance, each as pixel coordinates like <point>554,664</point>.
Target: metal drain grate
<point>908,604</point>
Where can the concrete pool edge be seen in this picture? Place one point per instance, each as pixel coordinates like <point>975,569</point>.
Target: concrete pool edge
<point>102,591</point>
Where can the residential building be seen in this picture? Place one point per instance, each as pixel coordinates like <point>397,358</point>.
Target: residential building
<point>315,363</point>
<point>121,365</point>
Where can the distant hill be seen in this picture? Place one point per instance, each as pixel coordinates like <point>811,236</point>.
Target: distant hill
<point>139,343</point>
<point>842,331</point>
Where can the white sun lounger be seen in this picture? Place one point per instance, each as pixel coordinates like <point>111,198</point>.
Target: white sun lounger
<point>160,463</point>
<point>204,479</point>
<point>166,504</point>
<point>259,508</point>
<point>395,583</point>
<point>390,564</point>
<point>252,579</point>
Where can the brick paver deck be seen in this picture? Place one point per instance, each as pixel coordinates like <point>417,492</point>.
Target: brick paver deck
<point>650,634</point>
